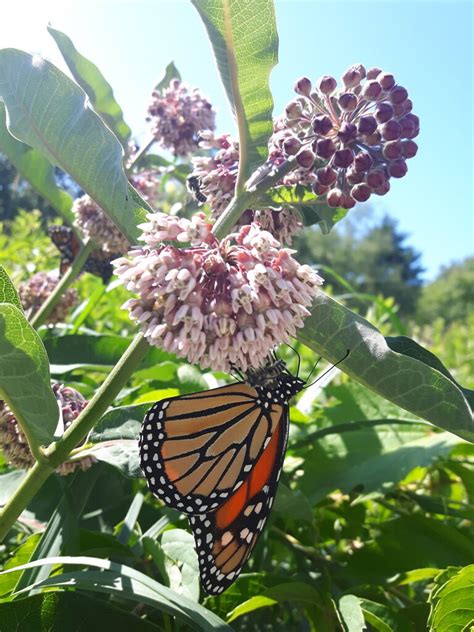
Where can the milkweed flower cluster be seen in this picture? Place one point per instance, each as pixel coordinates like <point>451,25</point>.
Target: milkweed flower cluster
<point>14,444</point>
<point>34,292</point>
<point>177,114</point>
<point>217,177</point>
<point>350,141</point>
<point>216,303</point>
<point>97,226</point>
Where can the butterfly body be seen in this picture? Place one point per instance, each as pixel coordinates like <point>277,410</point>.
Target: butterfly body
<point>217,456</point>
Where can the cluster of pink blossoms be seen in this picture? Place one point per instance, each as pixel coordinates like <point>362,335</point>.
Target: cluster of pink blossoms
<point>217,303</point>
<point>217,176</point>
<point>34,292</point>
<point>95,225</point>
<point>177,115</point>
<point>13,442</point>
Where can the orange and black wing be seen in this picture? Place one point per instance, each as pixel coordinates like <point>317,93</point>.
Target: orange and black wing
<point>196,451</point>
<point>225,538</point>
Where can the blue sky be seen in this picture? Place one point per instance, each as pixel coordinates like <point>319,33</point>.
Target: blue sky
<point>427,45</point>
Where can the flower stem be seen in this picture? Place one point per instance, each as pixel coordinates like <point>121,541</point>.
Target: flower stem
<point>255,187</point>
<point>58,452</point>
<point>71,275</point>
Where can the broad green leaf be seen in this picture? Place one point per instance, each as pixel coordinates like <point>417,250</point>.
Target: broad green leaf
<point>48,111</point>
<point>60,611</point>
<point>384,619</point>
<point>245,42</point>
<point>417,575</point>
<point>452,601</point>
<point>20,555</point>
<point>296,592</point>
<point>311,209</point>
<point>119,579</point>
<point>171,72</point>
<point>350,610</point>
<point>24,377</point>
<point>292,503</point>
<point>332,329</point>
<point>408,347</point>
<point>181,562</point>
<point>9,482</point>
<point>34,167</point>
<point>87,350</point>
<point>121,454</point>
<point>408,542</point>
<point>8,293</point>
<point>94,84</point>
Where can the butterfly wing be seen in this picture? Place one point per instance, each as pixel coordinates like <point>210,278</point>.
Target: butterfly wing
<point>197,450</point>
<point>65,240</point>
<point>225,538</point>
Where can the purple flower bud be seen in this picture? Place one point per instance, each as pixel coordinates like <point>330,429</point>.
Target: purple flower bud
<point>354,177</point>
<point>293,110</point>
<point>348,102</point>
<point>326,176</point>
<point>409,125</point>
<point>391,130</point>
<point>325,148</point>
<point>303,86</point>
<point>347,201</point>
<point>305,158</point>
<point>373,73</point>
<point>376,178</point>
<point>398,94</point>
<point>373,139</point>
<point>408,106</point>
<point>347,132</point>
<point>343,158</point>
<point>291,146</point>
<point>367,125</point>
<point>372,90</point>
<point>326,84</point>
<point>319,189</point>
<point>361,70</point>
<point>386,80</point>
<point>384,112</point>
<point>361,192</point>
<point>363,162</point>
<point>397,168</point>
<point>334,198</point>
<point>322,125</point>
<point>385,188</point>
<point>410,148</point>
<point>393,150</point>
<point>351,77</point>
<point>398,109</point>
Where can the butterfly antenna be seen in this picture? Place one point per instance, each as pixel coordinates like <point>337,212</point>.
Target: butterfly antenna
<point>299,359</point>
<point>320,377</point>
<point>314,366</point>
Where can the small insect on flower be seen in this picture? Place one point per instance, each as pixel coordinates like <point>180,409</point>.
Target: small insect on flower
<point>194,187</point>
<point>217,457</point>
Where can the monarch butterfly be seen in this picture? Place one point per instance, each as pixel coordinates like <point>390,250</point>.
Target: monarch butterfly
<point>217,456</point>
<point>66,241</point>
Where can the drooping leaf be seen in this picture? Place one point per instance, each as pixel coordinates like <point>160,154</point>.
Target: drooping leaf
<point>171,72</point>
<point>20,555</point>
<point>332,329</point>
<point>8,293</point>
<point>48,111</point>
<point>452,601</point>
<point>94,84</point>
<point>59,611</point>
<point>25,378</point>
<point>119,579</point>
<point>350,610</point>
<point>9,483</point>
<point>385,619</point>
<point>181,562</point>
<point>34,167</point>
<point>245,42</point>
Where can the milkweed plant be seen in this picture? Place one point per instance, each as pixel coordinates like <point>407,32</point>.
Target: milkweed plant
<point>200,227</point>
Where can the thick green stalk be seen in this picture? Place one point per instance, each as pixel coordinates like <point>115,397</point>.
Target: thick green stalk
<point>58,452</point>
<point>71,275</point>
<point>255,188</point>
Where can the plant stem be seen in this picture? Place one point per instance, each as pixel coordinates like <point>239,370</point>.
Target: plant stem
<point>141,152</point>
<point>58,452</point>
<point>71,275</point>
<point>249,198</point>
